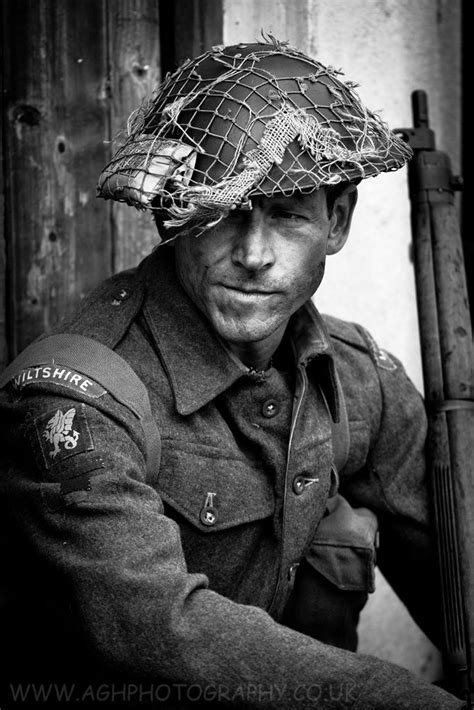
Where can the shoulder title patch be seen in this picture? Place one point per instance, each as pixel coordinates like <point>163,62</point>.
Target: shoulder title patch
<point>58,375</point>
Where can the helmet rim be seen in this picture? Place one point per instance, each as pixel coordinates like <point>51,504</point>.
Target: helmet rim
<point>245,120</point>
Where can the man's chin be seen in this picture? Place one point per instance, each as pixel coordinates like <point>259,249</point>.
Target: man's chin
<point>242,333</point>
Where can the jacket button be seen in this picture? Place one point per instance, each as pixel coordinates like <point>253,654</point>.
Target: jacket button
<point>120,296</point>
<point>208,516</point>
<point>298,485</point>
<point>270,408</point>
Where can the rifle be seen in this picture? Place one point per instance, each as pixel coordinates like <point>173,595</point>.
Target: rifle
<point>447,360</point>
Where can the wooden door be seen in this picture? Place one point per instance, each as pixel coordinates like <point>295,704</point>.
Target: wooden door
<point>72,72</point>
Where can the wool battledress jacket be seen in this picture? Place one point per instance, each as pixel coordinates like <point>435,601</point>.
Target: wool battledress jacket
<point>177,582</point>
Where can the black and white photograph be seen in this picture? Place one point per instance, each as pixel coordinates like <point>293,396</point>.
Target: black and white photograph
<point>236,356</point>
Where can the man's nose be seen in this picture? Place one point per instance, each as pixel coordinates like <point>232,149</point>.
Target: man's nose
<point>253,245</point>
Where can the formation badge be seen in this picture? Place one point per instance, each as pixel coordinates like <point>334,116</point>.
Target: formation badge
<point>62,433</point>
<point>59,431</point>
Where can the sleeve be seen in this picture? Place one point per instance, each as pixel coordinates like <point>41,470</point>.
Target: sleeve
<point>393,483</point>
<point>76,482</point>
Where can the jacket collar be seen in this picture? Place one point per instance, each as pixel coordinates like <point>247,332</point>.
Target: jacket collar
<point>197,364</point>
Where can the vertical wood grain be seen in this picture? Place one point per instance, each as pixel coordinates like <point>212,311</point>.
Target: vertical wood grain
<point>134,61</point>
<point>56,122</point>
<point>73,71</point>
<point>194,27</point>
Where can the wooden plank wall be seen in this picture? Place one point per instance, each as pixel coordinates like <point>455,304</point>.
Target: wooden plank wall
<point>57,119</point>
<point>134,60</point>
<point>72,72</point>
<point>194,27</point>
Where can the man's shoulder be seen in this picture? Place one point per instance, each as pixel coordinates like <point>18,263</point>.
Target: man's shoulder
<point>77,358</point>
<point>375,383</point>
<point>354,341</point>
<point>343,330</point>
<point>107,311</point>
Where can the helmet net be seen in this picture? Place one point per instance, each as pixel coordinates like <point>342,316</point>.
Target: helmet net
<point>251,119</point>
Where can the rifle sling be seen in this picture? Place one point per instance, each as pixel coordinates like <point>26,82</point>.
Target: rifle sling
<point>448,405</point>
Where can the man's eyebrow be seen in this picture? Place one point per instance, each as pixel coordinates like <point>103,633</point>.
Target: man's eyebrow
<point>300,197</point>
<point>294,204</point>
<point>279,201</point>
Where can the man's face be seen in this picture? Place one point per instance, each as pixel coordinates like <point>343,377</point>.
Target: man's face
<point>254,269</point>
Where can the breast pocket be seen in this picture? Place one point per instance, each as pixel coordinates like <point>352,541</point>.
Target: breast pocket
<point>224,507</point>
<point>213,489</point>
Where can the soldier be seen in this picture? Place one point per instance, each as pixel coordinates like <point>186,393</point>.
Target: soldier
<point>207,532</point>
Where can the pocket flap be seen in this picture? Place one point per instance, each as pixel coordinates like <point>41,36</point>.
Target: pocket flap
<point>348,568</point>
<point>343,549</point>
<point>213,492</point>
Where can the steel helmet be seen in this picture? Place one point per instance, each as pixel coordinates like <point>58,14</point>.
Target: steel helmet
<point>250,119</point>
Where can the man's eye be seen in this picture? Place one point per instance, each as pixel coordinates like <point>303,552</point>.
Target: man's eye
<point>288,216</point>
<point>236,216</point>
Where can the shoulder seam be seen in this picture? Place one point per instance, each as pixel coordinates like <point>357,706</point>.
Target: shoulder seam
<point>339,330</point>
<point>107,312</point>
<point>361,339</point>
<point>379,356</point>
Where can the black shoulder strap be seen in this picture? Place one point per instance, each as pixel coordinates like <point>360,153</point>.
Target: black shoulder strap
<point>101,364</point>
<point>340,431</point>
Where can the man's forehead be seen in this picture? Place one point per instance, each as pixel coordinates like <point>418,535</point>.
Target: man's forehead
<point>303,199</point>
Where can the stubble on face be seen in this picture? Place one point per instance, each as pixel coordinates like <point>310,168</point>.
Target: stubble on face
<point>249,298</point>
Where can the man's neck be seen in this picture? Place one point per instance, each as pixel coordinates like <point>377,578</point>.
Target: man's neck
<point>257,355</point>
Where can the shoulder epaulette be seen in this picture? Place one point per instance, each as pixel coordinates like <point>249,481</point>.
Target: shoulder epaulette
<point>360,338</point>
<point>345,331</point>
<point>106,313</point>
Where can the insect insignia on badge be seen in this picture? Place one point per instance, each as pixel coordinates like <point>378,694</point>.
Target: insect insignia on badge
<point>58,431</point>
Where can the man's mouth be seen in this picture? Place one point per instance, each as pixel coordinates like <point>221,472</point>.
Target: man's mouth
<point>249,291</point>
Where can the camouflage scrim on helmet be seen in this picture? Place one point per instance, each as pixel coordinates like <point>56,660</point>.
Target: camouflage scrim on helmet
<point>251,119</point>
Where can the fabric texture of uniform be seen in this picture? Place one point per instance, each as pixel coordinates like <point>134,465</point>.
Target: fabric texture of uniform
<point>180,579</point>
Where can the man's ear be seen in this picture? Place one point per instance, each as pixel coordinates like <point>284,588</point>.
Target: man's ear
<point>341,218</point>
